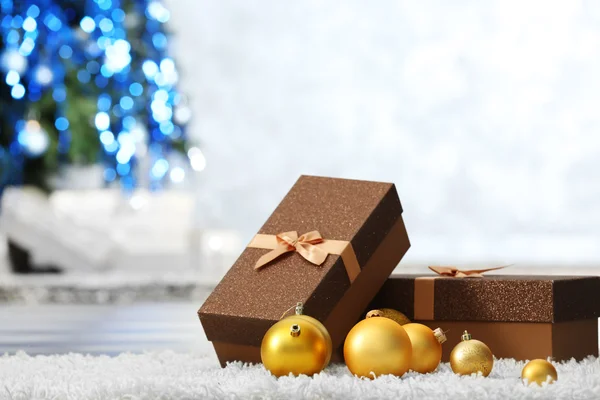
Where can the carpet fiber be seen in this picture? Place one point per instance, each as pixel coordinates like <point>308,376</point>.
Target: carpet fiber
<point>168,375</point>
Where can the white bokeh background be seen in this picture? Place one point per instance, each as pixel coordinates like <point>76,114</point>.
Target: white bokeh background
<point>485,115</point>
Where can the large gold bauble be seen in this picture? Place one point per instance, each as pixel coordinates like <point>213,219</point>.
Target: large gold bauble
<point>471,356</point>
<point>377,346</point>
<point>539,371</point>
<point>295,345</point>
<point>426,347</point>
<point>390,313</point>
<point>324,331</point>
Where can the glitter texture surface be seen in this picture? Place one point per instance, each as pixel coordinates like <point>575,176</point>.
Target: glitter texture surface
<point>500,298</point>
<point>247,302</point>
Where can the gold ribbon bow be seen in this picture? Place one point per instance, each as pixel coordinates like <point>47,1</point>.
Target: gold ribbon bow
<point>310,245</point>
<point>457,273</point>
<point>304,245</point>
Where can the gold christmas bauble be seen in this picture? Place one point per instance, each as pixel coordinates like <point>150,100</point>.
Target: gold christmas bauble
<point>390,313</point>
<point>539,371</point>
<point>471,356</point>
<point>324,331</point>
<point>426,347</point>
<point>377,346</point>
<point>295,345</point>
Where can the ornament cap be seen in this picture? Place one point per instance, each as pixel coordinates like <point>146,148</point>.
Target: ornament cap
<point>295,330</point>
<point>466,336</point>
<point>299,308</point>
<point>374,313</point>
<point>440,335</point>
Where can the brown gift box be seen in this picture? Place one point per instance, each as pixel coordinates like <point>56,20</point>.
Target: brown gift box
<point>247,302</point>
<point>521,317</point>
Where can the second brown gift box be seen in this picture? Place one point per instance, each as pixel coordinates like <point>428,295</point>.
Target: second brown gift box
<point>517,316</point>
<point>364,234</point>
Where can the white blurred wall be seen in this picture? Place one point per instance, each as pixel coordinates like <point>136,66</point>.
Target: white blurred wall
<point>486,115</point>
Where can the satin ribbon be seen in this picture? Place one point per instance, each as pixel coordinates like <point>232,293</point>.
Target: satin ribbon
<point>310,245</point>
<point>457,273</point>
<point>424,295</point>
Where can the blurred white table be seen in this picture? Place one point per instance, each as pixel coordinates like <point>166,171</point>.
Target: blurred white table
<point>101,329</point>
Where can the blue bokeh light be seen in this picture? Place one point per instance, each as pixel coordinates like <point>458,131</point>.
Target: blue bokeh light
<point>129,122</point>
<point>61,124</point>
<point>123,156</point>
<point>18,91</point>
<point>12,78</point>
<point>136,89</point>
<point>104,102</point>
<point>112,147</point>
<point>104,4</point>
<point>59,94</point>
<point>52,22</point>
<point>43,75</point>
<point>166,127</point>
<point>6,22</point>
<point>12,59</point>
<point>150,68</point>
<point>106,25</point>
<point>159,40</point>
<point>107,138</point>
<point>33,11</point>
<point>32,138</point>
<point>29,25</point>
<point>118,15</point>
<point>27,47</point>
<point>83,76</point>
<point>65,51</point>
<point>93,67</point>
<point>161,95</point>
<point>126,103</point>
<point>17,22</point>
<point>13,37</point>
<point>106,71</point>
<point>87,24</point>
<point>102,121</point>
<point>103,42</point>
<point>123,169</point>
<point>157,11</point>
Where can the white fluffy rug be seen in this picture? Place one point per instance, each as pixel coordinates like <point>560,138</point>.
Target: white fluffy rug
<point>168,375</point>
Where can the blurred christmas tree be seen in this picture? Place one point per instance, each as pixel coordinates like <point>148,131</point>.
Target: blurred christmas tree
<point>88,81</point>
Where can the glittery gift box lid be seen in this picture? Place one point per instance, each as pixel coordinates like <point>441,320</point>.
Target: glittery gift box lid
<point>496,298</point>
<point>367,214</point>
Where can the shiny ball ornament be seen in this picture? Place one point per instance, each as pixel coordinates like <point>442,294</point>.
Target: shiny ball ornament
<point>471,356</point>
<point>390,313</point>
<point>377,346</point>
<point>296,345</point>
<point>539,371</point>
<point>426,347</point>
<point>320,327</point>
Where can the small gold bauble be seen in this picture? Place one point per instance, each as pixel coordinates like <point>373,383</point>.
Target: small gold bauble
<point>471,356</point>
<point>426,347</point>
<point>294,345</point>
<point>390,313</point>
<point>377,346</point>
<point>539,371</point>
